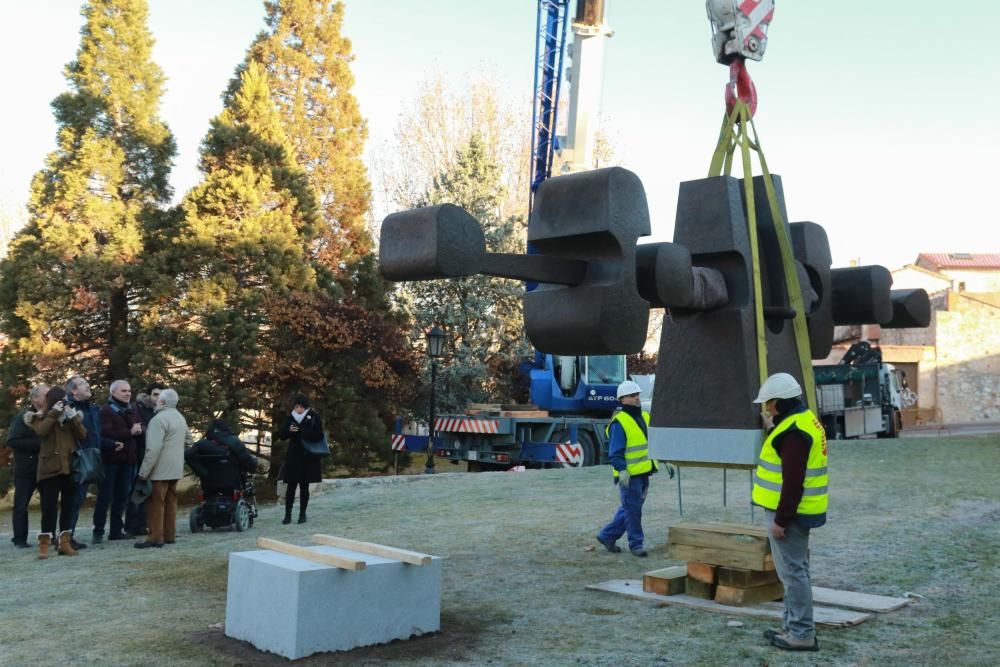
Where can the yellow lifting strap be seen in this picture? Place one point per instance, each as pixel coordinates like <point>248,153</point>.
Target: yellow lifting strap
<point>735,132</point>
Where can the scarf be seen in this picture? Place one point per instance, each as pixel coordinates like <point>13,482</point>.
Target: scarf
<point>297,417</point>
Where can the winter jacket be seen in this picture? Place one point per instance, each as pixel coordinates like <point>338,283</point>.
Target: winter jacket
<point>90,415</point>
<point>24,443</point>
<point>165,437</point>
<point>58,441</point>
<point>219,458</point>
<point>116,426</point>
<point>300,467</point>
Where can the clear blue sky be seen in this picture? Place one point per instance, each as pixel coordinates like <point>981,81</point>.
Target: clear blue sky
<point>878,115</point>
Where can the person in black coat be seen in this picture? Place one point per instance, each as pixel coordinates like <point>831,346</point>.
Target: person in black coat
<point>300,468</point>
<point>25,444</point>
<point>219,444</point>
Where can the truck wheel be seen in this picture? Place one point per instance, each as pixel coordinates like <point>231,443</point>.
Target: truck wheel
<point>580,456</point>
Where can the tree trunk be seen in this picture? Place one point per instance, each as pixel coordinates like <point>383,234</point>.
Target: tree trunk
<point>119,347</point>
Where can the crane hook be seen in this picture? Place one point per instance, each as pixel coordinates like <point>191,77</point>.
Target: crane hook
<point>740,87</point>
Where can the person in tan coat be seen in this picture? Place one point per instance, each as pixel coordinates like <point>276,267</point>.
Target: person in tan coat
<point>163,465</point>
<point>58,427</point>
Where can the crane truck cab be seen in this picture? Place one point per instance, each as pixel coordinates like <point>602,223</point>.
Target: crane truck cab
<point>860,396</point>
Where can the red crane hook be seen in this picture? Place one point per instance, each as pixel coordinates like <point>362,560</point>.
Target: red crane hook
<point>740,87</point>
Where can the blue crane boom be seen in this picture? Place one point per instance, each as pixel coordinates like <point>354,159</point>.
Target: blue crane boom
<point>550,49</point>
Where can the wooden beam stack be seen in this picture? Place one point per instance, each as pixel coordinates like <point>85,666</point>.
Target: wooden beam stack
<point>726,562</point>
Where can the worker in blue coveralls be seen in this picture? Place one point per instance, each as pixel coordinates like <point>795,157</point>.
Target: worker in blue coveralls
<point>628,438</point>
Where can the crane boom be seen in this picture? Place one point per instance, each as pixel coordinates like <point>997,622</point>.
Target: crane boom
<point>550,48</point>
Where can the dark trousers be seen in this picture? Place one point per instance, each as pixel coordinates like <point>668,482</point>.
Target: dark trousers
<point>58,502</point>
<point>78,497</point>
<point>290,497</point>
<point>135,514</point>
<point>24,488</point>
<point>113,491</point>
<point>628,518</point>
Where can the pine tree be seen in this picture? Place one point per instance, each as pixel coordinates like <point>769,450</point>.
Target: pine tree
<point>481,315</point>
<point>242,239</point>
<point>73,277</point>
<point>307,61</point>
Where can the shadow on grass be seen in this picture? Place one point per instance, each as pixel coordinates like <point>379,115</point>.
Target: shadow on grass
<point>456,642</point>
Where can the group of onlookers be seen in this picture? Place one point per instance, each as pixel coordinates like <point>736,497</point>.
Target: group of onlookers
<point>142,449</point>
<point>141,445</point>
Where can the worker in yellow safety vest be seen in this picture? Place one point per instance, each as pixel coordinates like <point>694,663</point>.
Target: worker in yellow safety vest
<point>628,437</point>
<point>790,483</point>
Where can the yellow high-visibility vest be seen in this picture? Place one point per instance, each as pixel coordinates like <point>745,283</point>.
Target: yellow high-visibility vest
<point>767,479</point>
<point>637,459</point>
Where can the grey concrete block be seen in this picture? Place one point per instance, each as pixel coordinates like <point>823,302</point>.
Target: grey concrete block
<point>295,607</point>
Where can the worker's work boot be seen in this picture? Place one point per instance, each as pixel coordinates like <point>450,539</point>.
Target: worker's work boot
<point>610,546</point>
<point>302,516</point>
<point>640,553</point>
<point>65,544</point>
<point>44,540</point>
<point>771,633</point>
<point>789,643</point>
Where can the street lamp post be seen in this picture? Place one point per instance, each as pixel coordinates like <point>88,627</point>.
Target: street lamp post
<point>435,349</point>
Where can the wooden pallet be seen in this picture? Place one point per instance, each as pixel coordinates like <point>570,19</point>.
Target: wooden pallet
<point>860,606</point>
<point>722,544</point>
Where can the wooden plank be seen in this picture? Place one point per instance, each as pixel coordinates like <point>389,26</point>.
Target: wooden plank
<point>829,617</point>
<point>668,581</point>
<point>308,554</point>
<point>742,597</point>
<point>411,557</point>
<point>702,572</point>
<point>484,407</point>
<point>739,578</point>
<point>699,589</point>
<point>861,601</point>
<point>724,528</point>
<point>527,414</point>
<point>769,563</point>
<point>724,557</point>
<point>747,538</point>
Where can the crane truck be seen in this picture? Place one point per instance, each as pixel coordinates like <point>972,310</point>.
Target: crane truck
<point>862,395</point>
<point>573,397</point>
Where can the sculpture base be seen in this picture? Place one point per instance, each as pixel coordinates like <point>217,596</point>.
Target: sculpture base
<point>295,607</point>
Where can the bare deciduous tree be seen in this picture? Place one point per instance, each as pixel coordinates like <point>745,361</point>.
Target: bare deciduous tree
<point>440,122</point>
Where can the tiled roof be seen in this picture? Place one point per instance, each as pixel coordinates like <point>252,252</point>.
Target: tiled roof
<point>958,260</point>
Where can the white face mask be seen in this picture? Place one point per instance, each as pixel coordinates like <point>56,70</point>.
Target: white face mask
<point>768,420</point>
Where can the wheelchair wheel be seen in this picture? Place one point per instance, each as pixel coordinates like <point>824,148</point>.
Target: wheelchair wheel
<point>194,520</point>
<point>241,516</point>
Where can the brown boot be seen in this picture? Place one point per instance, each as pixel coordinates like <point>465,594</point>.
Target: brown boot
<point>65,546</point>
<point>44,540</point>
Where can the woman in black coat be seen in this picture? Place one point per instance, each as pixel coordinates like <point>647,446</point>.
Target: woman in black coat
<point>300,468</point>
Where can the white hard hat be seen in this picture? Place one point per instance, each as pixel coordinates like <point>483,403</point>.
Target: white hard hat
<point>627,388</point>
<point>779,385</point>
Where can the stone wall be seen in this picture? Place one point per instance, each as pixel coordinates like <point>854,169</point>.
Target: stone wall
<point>968,360</point>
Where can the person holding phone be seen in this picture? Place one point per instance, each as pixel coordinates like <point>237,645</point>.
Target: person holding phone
<point>300,469</point>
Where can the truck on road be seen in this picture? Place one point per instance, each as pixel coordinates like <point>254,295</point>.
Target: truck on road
<point>862,395</point>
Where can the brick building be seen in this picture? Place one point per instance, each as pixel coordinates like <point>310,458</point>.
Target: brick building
<point>954,364</point>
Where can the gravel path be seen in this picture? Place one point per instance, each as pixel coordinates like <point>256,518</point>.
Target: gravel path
<point>916,515</point>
